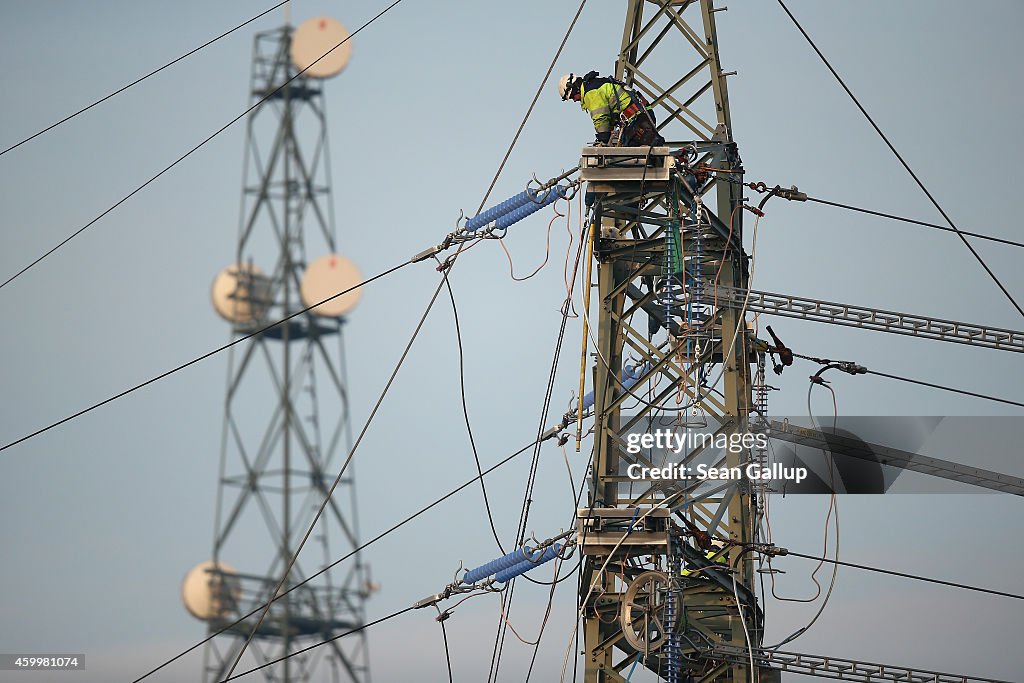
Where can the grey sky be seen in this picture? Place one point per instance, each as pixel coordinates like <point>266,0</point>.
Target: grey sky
<point>101,518</point>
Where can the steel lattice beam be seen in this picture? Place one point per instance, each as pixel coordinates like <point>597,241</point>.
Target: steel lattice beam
<point>877,319</point>
<point>840,669</point>
<point>895,457</point>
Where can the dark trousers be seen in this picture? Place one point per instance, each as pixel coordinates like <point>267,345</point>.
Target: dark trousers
<point>640,132</point>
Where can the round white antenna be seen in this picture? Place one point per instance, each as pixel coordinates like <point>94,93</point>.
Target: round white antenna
<point>241,293</point>
<point>211,591</point>
<point>319,38</point>
<point>327,276</point>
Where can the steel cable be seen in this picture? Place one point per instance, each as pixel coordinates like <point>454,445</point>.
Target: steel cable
<point>140,79</point>
<point>227,125</point>
<point>198,359</point>
<point>906,166</point>
<point>342,559</point>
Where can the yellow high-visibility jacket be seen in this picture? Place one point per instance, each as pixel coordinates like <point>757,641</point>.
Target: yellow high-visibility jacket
<point>604,101</point>
<point>721,559</point>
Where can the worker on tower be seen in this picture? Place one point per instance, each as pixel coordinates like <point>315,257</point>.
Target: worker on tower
<point>614,108</point>
<point>716,554</point>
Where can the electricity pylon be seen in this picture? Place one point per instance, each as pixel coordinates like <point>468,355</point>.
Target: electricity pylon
<point>664,237</point>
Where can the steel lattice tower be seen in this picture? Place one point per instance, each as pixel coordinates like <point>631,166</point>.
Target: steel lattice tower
<point>669,52</point>
<point>286,417</point>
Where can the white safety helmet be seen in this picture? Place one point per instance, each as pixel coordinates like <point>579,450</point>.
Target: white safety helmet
<point>566,84</point>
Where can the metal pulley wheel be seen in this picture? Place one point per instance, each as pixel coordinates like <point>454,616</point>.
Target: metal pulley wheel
<point>642,616</point>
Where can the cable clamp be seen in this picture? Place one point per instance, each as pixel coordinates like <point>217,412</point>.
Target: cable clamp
<point>851,368</point>
<point>792,194</point>
<point>427,253</point>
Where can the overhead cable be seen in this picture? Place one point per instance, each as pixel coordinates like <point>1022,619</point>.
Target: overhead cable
<point>337,480</point>
<point>915,222</point>
<point>575,570</point>
<point>945,388</point>
<point>140,79</point>
<point>220,130</point>
<point>198,359</point>
<point>441,618</point>
<point>495,655</point>
<point>833,505</point>
<point>913,175</point>
<point>852,368</point>
<point>529,110</point>
<point>342,559</point>
<point>465,412</point>
<point>524,514</point>
<point>795,195</point>
<point>315,645</point>
<point>908,576</point>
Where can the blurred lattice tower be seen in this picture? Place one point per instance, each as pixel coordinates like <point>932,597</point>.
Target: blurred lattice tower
<point>286,415</point>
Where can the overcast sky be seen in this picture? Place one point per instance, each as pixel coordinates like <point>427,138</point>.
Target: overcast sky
<point>101,518</point>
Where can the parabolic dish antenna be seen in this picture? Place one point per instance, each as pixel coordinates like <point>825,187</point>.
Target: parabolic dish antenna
<point>320,37</point>
<point>327,276</point>
<point>241,293</point>
<point>211,594</point>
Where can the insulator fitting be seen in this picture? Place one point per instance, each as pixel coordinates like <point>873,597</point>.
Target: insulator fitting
<point>537,202</point>
<point>512,559</point>
<point>482,219</point>
<point>526,565</point>
<point>517,208</point>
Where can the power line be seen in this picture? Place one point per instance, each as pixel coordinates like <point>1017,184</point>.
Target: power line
<point>316,645</point>
<point>343,558</point>
<point>902,161</point>
<point>529,110</point>
<point>527,500</point>
<point>140,79</point>
<point>863,370</point>
<point>945,388</point>
<point>465,413</point>
<point>341,472</point>
<point>444,635</point>
<point>496,652</point>
<point>198,359</point>
<point>908,576</point>
<point>445,270</point>
<point>882,214</point>
<point>227,125</point>
<point>915,222</point>
<point>528,492</point>
<point>556,580</point>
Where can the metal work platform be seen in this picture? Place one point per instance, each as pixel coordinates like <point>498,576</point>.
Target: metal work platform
<point>605,164</point>
<point>606,531</point>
